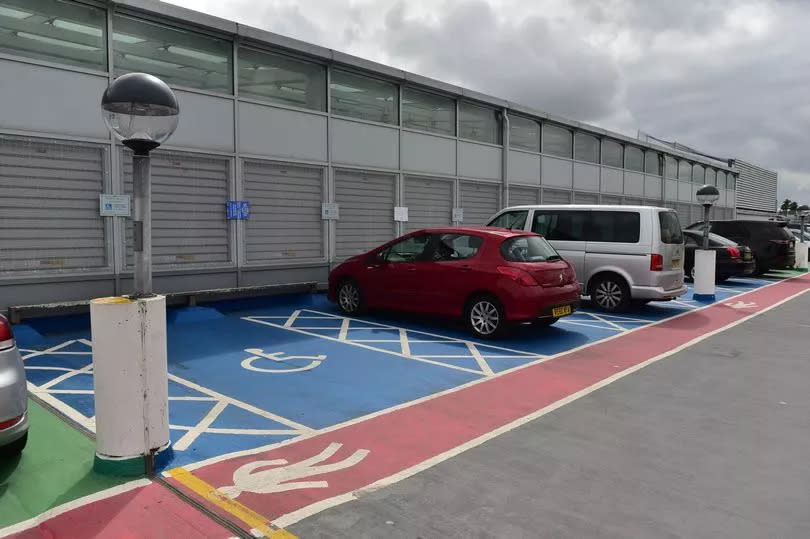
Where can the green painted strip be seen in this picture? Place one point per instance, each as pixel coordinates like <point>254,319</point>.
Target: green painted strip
<point>56,467</point>
<point>133,467</point>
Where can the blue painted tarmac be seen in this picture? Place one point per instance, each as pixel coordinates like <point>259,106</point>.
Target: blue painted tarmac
<point>245,374</point>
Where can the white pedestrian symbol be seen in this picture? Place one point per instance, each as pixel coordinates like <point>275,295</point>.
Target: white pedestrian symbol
<point>258,353</point>
<point>285,476</point>
<point>741,305</point>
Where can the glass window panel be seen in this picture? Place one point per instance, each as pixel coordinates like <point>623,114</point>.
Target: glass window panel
<point>634,159</point>
<point>698,174</point>
<point>684,171</point>
<point>614,226</point>
<point>479,123</point>
<point>179,57</point>
<point>428,112</point>
<point>562,226</point>
<point>671,167</point>
<point>653,164</point>
<point>511,219</point>
<point>586,148</point>
<point>731,181</point>
<point>524,133</point>
<point>411,249</point>
<point>612,154</point>
<point>721,179</point>
<point>283,80</point>
<point>451,247</point>
<point>364,97</point>
<point>54,30</point>
<point>557,141</point>
<point>711,176</point>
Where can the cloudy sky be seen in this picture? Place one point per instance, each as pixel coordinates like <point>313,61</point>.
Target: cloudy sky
<point>729,77</point>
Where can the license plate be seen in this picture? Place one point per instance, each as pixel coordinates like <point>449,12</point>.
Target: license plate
<point>676,263</point>
<point>561,311</point>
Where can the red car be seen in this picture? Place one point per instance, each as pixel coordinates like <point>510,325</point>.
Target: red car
<point>489,276</point>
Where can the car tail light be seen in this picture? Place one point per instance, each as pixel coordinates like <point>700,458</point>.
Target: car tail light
<point>10,423</point>
<point>733,252</point>
<point>517,275</point>
<point>6,335</point>
<point>656,262</point>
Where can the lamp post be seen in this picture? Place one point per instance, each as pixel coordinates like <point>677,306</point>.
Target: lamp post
<point>705,258</point>
<point>130,374</point>
<point>801,251</point>
<point>142,112</point>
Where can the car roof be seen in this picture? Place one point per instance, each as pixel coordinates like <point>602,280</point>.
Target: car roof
<point>486,230</point>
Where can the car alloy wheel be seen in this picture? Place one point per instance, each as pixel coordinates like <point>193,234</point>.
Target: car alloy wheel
<point>608,295</point>
<point>484,317</point>
<point>349,298</point>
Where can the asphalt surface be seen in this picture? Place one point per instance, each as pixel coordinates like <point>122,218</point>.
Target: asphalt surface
<point>713,441</point>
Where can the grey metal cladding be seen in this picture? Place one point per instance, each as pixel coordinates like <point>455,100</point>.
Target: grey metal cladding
<point>285,212</point>
<point>49,208</point>
<point>756,187</point>
<point>429,202</point>
<point>188,209</point>
<point>479,200</point>
<point>523,196</point>
<point>366,206</point>
<point>556,196</point>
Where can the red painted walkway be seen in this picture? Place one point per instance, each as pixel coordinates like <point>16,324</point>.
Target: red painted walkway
<point>408,439</point>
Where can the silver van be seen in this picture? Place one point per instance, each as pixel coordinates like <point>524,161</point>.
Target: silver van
<point>622,254</point>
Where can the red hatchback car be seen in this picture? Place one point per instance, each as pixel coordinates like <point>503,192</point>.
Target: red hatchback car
<point>489,276</point>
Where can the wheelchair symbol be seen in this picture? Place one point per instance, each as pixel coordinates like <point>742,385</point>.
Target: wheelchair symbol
<point>258,353</point>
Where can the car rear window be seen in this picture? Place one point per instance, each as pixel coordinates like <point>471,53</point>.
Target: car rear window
<point>528,249</point>
<point>670,227</point>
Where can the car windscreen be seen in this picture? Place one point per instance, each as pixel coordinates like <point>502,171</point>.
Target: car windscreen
<point>670,227</point>
<point>528,249</point>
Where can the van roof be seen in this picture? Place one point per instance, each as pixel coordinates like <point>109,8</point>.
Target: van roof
<point>586,207</point>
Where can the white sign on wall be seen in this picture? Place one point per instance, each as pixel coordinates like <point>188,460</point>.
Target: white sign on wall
<point>114,205</point>
<point>401,214</point>
<point>458,215</point>
<point>330,210</point>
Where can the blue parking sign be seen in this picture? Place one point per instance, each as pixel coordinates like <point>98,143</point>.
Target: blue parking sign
<point>238,209</point>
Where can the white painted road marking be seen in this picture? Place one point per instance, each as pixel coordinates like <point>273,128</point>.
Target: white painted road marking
<point>258,353</point>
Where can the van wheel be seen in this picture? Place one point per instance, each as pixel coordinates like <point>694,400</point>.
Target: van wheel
<point>485,317</point>
<point>610,294</point>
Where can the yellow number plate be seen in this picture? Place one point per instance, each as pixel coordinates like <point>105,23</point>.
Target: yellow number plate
<point>676,263</point>
<point>561,311</point>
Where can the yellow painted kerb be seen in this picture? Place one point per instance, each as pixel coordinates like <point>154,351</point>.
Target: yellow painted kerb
<point>238,510</point>
<point>112,300</point>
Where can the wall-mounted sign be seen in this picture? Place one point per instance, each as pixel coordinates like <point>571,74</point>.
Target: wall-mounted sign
<point>401,214</point>
<point>458,215</point>
<point>114,205</point>
<point>330,210</point>
<point>237,209</point>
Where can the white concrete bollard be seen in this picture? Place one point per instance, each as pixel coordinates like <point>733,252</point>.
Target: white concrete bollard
<point>704,275</point>
<point>801,256</point>
<point>131,384</point>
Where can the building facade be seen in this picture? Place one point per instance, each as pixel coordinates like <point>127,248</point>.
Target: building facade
<point>756,191</point>
<point>327,148</point>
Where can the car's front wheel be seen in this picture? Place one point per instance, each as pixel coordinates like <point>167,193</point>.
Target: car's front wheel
<point>350,299</point>
<point>485,317</point>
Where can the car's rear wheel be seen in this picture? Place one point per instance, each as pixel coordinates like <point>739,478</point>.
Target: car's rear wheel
<point>15,447</point>
<point>350,298</point>
<point>485,317</point>
<point>611,294</point>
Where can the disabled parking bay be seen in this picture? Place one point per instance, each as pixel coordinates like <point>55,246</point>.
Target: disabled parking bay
<point>290,374</point>
<point>251,373</point>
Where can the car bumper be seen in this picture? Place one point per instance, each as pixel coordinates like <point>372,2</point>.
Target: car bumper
<point>13,395</point>
<point>738,267</point>
<point>533,302</point>
<point>657,293</point>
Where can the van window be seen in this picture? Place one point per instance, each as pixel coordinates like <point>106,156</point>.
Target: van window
<point>515,220</point>
<point>670,227</point>
<point>614,226</point>
<point>562,226</point>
